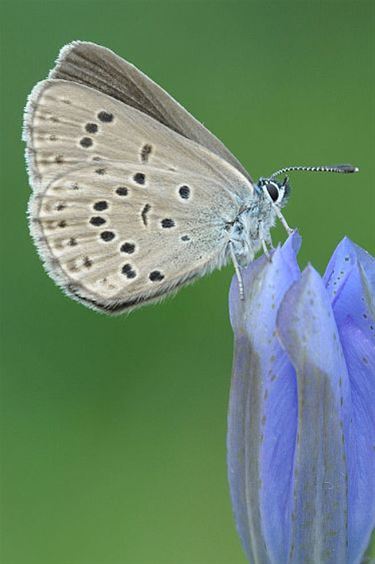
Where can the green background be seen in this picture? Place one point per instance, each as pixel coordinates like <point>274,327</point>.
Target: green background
<point>113,429</point>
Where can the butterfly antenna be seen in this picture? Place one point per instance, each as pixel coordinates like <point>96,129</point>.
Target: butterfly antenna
<point>343,169</point>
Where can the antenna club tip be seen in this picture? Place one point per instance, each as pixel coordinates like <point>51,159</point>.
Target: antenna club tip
<point>348,168</point>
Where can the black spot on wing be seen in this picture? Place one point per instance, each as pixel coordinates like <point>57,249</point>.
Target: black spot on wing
<point>97,220</point>
<point>144,213</point>
<point>127,270</point>
<point>146,152</point>
<point>184,192</point>
<point>101,205</point>
<point>87,262</point>
<point>128,248</point>
<point>139,178</point>
<point>156,276</point>
<point>167,223</point>
<point>91,127</point>
<point>86,142</point>
<point>121,191</point>
<point>107,236</point>
<point>105,117</point>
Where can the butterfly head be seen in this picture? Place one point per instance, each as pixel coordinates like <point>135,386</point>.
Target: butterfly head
<point>278,191</point>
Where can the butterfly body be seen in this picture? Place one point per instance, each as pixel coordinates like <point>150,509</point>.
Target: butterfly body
<point>132,197</point>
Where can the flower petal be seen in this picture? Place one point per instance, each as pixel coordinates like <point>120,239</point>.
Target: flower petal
<point>289,251</point>
<point>262,410</point>
<point>353,307</point>
<point>308,331</point>
<point>360,359</point>
<point>350,281</point>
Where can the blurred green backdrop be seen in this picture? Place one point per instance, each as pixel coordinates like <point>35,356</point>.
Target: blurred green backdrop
<point>113,430</point>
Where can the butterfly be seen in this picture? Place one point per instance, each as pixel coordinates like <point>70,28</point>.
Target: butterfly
<point>132,196</point>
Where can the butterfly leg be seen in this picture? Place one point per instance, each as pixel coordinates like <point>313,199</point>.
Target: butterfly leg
<point>263,241</point>
<point>288,229</point>
<point>265,249</point>
<point>237,269</point>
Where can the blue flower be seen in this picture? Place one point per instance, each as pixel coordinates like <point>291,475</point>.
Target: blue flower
<point>301,423</point>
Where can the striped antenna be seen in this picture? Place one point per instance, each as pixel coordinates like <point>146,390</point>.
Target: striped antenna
<point>344,169</point>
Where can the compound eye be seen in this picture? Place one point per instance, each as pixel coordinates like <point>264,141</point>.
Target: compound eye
<point>273,192</point>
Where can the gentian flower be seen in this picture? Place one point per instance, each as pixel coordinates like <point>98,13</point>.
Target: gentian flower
<point>301,423</point>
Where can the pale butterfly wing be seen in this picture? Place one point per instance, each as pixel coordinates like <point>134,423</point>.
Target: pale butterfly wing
<point>99,68</point>
<point>115,244</point>
<point>125,210</point>
<point>68,124</point>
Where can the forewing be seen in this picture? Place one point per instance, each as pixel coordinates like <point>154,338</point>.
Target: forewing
<point>67,125</point>
<point>103,70</point>
<point>115,244</point>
